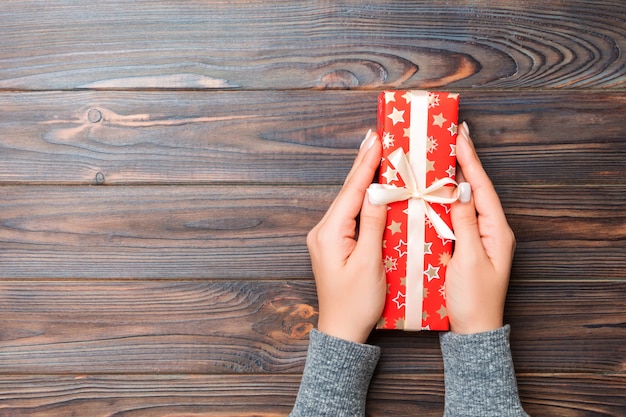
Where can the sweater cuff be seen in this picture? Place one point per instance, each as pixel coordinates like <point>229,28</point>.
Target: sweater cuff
<point>336,377</point>
<point>479,375</point>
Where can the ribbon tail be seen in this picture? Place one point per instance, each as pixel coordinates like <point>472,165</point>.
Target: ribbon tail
<point>440,226</point>
<point>381,194</point>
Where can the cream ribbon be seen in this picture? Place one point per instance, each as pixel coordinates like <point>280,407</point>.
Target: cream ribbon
<point>386,193</point>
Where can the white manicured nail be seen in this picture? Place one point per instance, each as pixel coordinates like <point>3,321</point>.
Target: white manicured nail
<point>465,192</point>
<point>367,135</point>
<point>465,131</point>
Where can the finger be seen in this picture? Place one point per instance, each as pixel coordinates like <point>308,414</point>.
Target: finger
<point>465,226</point>
<point>491,221</point>
<point>365,145</point>
<point>486,199</point>
<point>459,175</point>
<point>368,142</point>
<point>349,201</point>
<point>371,227</point>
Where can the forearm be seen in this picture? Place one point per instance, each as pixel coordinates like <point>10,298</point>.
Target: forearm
<point>336,377</point>
<point>479,375</point>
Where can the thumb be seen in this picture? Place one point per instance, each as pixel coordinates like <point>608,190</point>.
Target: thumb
<point>373,218</point>
<point>465,225</point>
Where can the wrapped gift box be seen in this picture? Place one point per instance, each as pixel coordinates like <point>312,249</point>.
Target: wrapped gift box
<point>417,172</point>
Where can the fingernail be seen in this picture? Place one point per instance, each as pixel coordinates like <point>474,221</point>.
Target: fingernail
<point>373,137</point>
<point>367,135</point>
<point>370,198</point>
<point>465,192</point>
<point>465,131</point>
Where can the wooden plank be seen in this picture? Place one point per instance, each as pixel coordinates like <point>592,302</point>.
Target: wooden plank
<point>147,395</point>
<point>258,232</point>
<point>158,232</point>
<point>155,327</point>
<point>573,394</point>
<point>311,44</point>
<point>558,231</point>
<point>560,395</point>
<point>200,327</point>
<point>290,137</point>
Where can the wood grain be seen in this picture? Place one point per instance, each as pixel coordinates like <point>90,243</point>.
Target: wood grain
<point>258,232</point>
<point>582,395</point>
<point>50,45</point>
<point>290,137</point>
<point>162,162</point>
<point>248,395</point>
<point>158,232</point>
<point>226,327</point>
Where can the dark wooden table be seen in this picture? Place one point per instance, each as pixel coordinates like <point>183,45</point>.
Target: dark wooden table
<point>162,161</point>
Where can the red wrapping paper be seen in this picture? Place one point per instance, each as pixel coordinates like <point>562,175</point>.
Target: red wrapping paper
<point>424,126</point>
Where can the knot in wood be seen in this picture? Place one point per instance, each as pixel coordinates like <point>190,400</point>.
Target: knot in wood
<point>100,178</point>
<point>94,115</point>
<point>340,79</point>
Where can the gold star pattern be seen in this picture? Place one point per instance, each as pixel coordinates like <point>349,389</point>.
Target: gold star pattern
<point>407,132</point>
<point>425,315</point>
<point>388,140</point>
<point>399,300</point>
<point>438,120</point>
<point>452,150</point>
<point>427,246</point>
<point>444,258</point>
<point>453,96</point>
<point>431,144</point>
<point>381,323</point>
<point>442,311</point>
<point>433,100</point>
<point>390,96</point>
<point>451,171</point>
<point>401,248</point>
<point>432,272</point>
<point>403,281</point>
<point>452,129</point>
<point>400,324</point>
<point>390,264</point>
<point>390,175</point>
<point>425,293</point>
<point>396,116</point>
<point>430,165</point>
<point>395,227</point>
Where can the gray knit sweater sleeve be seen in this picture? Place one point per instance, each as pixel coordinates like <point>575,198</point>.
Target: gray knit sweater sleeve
<point>479,375</point>
<point>336,376</point>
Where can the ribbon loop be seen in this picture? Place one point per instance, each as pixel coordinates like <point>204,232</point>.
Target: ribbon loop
<point>435,193</point>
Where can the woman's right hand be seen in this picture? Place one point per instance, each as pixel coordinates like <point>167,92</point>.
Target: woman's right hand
<point>477,276</point>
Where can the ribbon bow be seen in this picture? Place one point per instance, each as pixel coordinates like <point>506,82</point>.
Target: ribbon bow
<point>385,193</point>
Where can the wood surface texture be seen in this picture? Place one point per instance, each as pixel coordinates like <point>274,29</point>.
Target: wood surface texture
<point>162,162</point>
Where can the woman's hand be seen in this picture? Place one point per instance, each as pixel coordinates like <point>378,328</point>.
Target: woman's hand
<point>477,277</point>
<point>347,263</point>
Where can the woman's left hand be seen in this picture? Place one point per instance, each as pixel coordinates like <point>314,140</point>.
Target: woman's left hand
<point>347,263</point>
